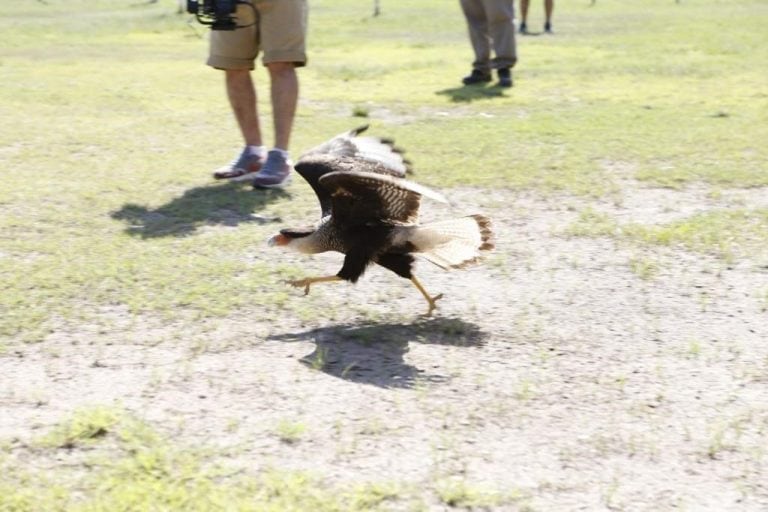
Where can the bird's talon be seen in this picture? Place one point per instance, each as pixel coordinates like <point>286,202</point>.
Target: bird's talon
<point>298,283</point>
<point>432,302</point>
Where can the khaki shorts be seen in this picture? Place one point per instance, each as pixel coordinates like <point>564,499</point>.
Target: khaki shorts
<point>279,32</point>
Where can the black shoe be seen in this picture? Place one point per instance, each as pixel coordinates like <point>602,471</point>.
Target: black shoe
<point>477,77</point>
<point>505,77</point>
<point>548,28</point>
<point>523,28</point>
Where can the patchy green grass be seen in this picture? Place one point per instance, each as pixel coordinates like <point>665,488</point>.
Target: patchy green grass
<point>463,495</point>
<point>290,432</point>
<point>112,124</point>
<point>106,198</point>
<point>593,223</point>
<point>85,426</point>
<point>134,468</point>
<point>116,462</point>
<point>678,107</point>
<point>644,268</point>
<point>728,234</point>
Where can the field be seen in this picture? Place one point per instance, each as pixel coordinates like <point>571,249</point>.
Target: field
<point>610,354</point>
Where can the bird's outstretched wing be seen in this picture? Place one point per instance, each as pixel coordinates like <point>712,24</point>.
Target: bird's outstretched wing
<point>375,150</point>
<point>359,197</point>
<point>349,152</point>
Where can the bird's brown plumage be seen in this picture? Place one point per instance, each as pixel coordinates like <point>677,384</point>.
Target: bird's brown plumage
<point>370,213</point>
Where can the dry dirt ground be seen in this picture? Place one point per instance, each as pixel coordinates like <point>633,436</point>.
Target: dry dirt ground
<point>554,371</point>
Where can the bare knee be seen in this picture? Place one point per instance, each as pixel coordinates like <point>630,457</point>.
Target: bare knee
<point>238,78</point>
<point>281,68</point>
<point>236,73</point>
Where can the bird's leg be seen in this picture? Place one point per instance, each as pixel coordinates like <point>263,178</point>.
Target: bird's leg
<point>307,281</point>
<point>430,300</point>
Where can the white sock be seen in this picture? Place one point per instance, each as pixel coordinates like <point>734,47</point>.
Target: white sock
<point>282,152</point>
<point>257,150</point>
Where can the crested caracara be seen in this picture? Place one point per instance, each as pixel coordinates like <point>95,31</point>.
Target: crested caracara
<point>370,213</point>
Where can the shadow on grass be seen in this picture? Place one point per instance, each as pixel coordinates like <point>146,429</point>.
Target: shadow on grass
<point>227,205</point>
<point>469,93</point>
<point>374,353</point>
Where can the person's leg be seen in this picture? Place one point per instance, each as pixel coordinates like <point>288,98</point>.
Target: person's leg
<point>242,97</point>
<point>276,172</point>
<point>283,26</point>
<point>474,12</point>
<point>283,34</point>
<point>284,89</point>
<point>524,16</point>
<point>285,95</point>
<point>501,28</point>
<point>549,6</point>
<point>234,52</point>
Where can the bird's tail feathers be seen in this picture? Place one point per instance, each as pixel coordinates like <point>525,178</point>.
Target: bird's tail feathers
<point>454,243</point>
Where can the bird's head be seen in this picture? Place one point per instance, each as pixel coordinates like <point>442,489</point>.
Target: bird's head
<point>298,239</point>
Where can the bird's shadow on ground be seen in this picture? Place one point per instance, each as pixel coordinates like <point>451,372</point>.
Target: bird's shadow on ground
<point>227,205</point>
<point>373,354</point>
<point>470,93</point>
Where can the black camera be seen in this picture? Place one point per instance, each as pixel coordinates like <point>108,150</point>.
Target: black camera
<point>217,14</point>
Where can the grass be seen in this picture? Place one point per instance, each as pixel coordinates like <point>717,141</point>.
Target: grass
<point>643,268</point>
<point>86,426</point>
<point>463,495</point>
<point>131,466</point>
<point>113,123</point>
<point>117,206</point>
<point>728,234</point>
<point>290,432</point>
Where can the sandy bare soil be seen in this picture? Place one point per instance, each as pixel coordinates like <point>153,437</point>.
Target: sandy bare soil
<point>553,370</point>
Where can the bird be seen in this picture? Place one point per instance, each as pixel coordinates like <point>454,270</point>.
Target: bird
<point>370,213</point>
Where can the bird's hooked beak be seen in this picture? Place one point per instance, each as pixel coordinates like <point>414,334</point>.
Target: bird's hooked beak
<point>277,240</point>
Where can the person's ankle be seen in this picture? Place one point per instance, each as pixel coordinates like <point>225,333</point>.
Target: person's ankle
<point>280,151</point>
<point>257,150</point>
